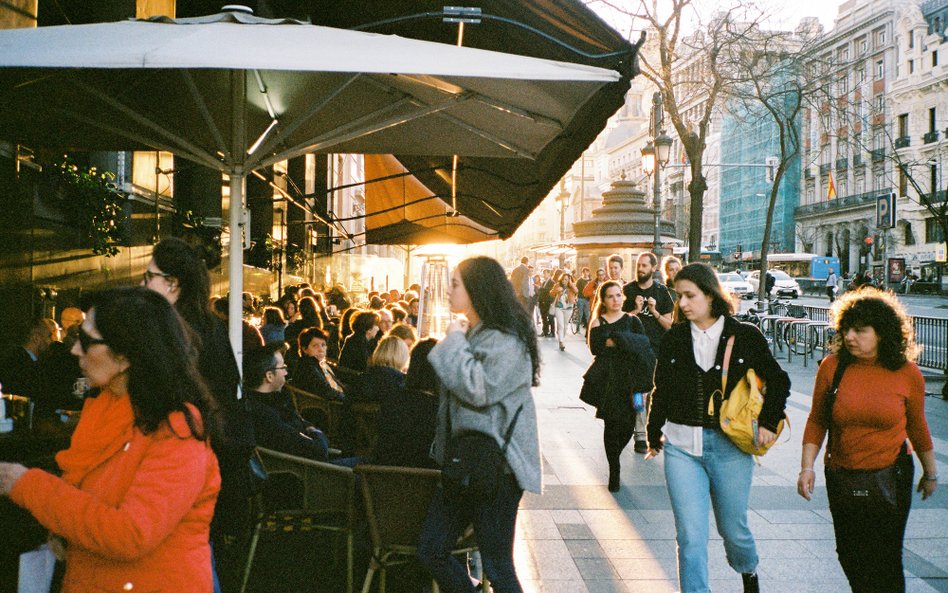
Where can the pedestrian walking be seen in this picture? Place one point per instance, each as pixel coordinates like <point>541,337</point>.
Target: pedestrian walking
<point>545,303</point>
<point>487,364</point>
<point>869,398</point>
<point>649,300</point>
<point>671,265</point>
<point>520,280</point>
<point>620,375</point>
<point>831,280</point>
<point>703,468</point>
<point>564,299</point>
<point>582,299</point>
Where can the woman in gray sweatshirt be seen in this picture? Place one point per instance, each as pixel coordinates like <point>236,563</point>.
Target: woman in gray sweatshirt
<point>487,364</point>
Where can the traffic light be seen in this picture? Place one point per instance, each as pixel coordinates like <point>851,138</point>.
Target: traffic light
<point>868,240</point>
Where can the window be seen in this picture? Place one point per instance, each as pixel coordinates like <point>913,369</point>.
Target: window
<point>878,139</point>
<point>909,238</point>
<point>903,126</point>
<point>860,183</point>
<point>903,182</point>
<point>911,66</point>
<point>880,104</point>
<point>934,58</point>
<point>880,37</point>
<point>933,231</point>
<point>843,85</point>
<point>911,39</point>
<point>863,46</point>
<point>880,69</point>
<point>931,120</point>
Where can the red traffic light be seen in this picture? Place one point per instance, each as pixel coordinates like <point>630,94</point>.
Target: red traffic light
<point>868,240</point>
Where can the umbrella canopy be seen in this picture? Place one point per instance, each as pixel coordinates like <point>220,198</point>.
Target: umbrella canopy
<point>498,193</point>
<point>235,92</point>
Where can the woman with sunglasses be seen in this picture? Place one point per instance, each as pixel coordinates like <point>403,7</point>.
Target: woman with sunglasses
<point>177,273</point>
<point>139,480</point>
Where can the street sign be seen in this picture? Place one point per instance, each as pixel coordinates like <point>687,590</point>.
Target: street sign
<point>940,252</point>
<point>885,211</point>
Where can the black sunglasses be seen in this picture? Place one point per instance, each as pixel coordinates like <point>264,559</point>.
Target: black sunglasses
<point>86,341</point>
<point>148,275</point>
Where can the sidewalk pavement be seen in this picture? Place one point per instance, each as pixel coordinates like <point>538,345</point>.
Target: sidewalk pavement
<point>580,538</point>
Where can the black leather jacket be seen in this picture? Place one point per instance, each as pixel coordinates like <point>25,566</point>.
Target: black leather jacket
<point>677,378</point>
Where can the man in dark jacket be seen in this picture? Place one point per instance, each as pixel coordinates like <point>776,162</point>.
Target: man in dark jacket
<point>276,423</point>
<point>544,300</point>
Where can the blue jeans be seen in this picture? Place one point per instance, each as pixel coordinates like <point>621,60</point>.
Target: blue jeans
<point>494,524</point>
<point>583,305</point>
<point>721,478</point>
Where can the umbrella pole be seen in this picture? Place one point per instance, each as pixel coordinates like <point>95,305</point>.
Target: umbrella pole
<point>236,264</point>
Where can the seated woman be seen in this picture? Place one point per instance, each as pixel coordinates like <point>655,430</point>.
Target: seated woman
<point>405,332</point>
<point>274,325</point>
<point>313,373</point>
<point>357,349</point>
<point>407,419</point>
<point>309,317</point>
<point>139,480</point>
<point>275,421</point>
<point>384,378</point>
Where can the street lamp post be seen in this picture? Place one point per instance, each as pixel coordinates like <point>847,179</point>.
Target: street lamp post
<point>655,155</point>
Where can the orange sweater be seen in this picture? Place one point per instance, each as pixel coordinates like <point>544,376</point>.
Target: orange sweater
<point>875,410</point>
<point>134,509</point>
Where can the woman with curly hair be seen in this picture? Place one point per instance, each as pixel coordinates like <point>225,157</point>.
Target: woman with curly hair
<point>870,397</point>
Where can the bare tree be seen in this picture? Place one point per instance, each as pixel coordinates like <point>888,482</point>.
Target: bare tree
<point>691,72</point>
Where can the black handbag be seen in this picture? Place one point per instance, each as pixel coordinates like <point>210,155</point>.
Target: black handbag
<point>862,491</point>
<point>474,464</point>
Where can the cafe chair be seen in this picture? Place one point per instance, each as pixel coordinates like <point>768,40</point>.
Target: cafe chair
<point>396,504</point>
<point>329,410</point>
<point>327,503</point>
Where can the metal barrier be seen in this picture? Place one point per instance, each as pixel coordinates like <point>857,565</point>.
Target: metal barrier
<point>931,334</point>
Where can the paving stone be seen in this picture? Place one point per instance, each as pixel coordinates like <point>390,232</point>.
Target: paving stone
<point>636,569</point>
<point>596,569</point>
<point>585,548</point>
<point>637,548</point>
<point>566,516</point>
<point>571,531</point>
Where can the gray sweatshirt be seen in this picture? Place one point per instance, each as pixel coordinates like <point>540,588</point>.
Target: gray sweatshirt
<point>485,376</point>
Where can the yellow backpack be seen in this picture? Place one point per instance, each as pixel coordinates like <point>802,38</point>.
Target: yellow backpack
<point>739,412</point>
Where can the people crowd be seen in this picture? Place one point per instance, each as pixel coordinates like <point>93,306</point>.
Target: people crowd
<point>154,374</point>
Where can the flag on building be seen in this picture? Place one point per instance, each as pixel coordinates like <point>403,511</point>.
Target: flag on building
<point>830,188</point>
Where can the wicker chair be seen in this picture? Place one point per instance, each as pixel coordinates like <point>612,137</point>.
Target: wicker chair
<point>328,504</point>
<point>330,409</point>
<point>396,504</point>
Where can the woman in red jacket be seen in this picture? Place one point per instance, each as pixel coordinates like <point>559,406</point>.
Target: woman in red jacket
<point>135,500</point>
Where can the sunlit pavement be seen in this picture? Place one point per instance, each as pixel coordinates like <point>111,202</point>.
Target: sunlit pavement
<point>578,537</point>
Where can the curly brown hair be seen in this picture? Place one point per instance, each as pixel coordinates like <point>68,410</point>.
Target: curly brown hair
<point>883,311</point>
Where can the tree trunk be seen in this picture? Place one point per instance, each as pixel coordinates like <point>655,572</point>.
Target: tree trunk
<point>696,188</point>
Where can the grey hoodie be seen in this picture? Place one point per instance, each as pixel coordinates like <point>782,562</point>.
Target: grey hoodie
<point>485,376</point>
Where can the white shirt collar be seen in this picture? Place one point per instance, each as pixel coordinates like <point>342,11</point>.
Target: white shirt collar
<point>705,343</point>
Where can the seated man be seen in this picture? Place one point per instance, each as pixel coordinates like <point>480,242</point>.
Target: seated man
<point>275,421</point>
<point>313,373</point>
<point>19,367</point>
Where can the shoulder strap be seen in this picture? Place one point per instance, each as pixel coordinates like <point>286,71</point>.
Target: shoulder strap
<point>510,428</point>
<point>727,364</point>
<point>830,401</point>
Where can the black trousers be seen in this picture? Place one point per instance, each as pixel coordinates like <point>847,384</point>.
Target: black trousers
<point>616,435</point>
<point>869,545</point>
<point>549,324</point>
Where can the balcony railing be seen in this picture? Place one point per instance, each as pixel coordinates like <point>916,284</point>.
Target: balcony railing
<point>930,137</point>
<point>935,198</point>
<point>825,169</point>
<point>863,199</point>
<point>878,154</point>
<point>808,173</point>
<point>857,160</point>
<point>842,164</point>
<point>902,141</point>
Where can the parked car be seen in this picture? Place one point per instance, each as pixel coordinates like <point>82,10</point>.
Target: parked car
<point>784,285</point>
<point>736,285</point>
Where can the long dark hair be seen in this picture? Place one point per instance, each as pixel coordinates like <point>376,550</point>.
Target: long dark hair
<point>598,307</point>
<point>175,257</point>
<point>421,375</point>
<point>309,313</point>
<point>885,314</point>
<point>494,302</point>
<point>142,326</point>
<point>703,276</point>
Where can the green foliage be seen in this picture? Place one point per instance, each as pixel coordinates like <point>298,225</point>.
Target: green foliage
<point>90,199</point>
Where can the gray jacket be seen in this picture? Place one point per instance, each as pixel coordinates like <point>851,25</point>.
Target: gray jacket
<point>485,376</point>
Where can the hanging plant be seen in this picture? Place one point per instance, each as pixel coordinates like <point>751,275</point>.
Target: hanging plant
<point>91,199</point>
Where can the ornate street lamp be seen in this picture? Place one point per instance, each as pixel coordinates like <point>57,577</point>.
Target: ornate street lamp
<point>655,156</point>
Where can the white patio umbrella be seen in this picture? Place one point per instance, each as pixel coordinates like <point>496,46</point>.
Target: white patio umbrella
<point>235,92</point>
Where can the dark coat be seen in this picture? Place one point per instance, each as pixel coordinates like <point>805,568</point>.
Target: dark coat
<point>309,376</point>
<point>279,427</point>
<point>617,370</point>
<point>406,427</point>
<point>355,353</point>
<point>678,376</point>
